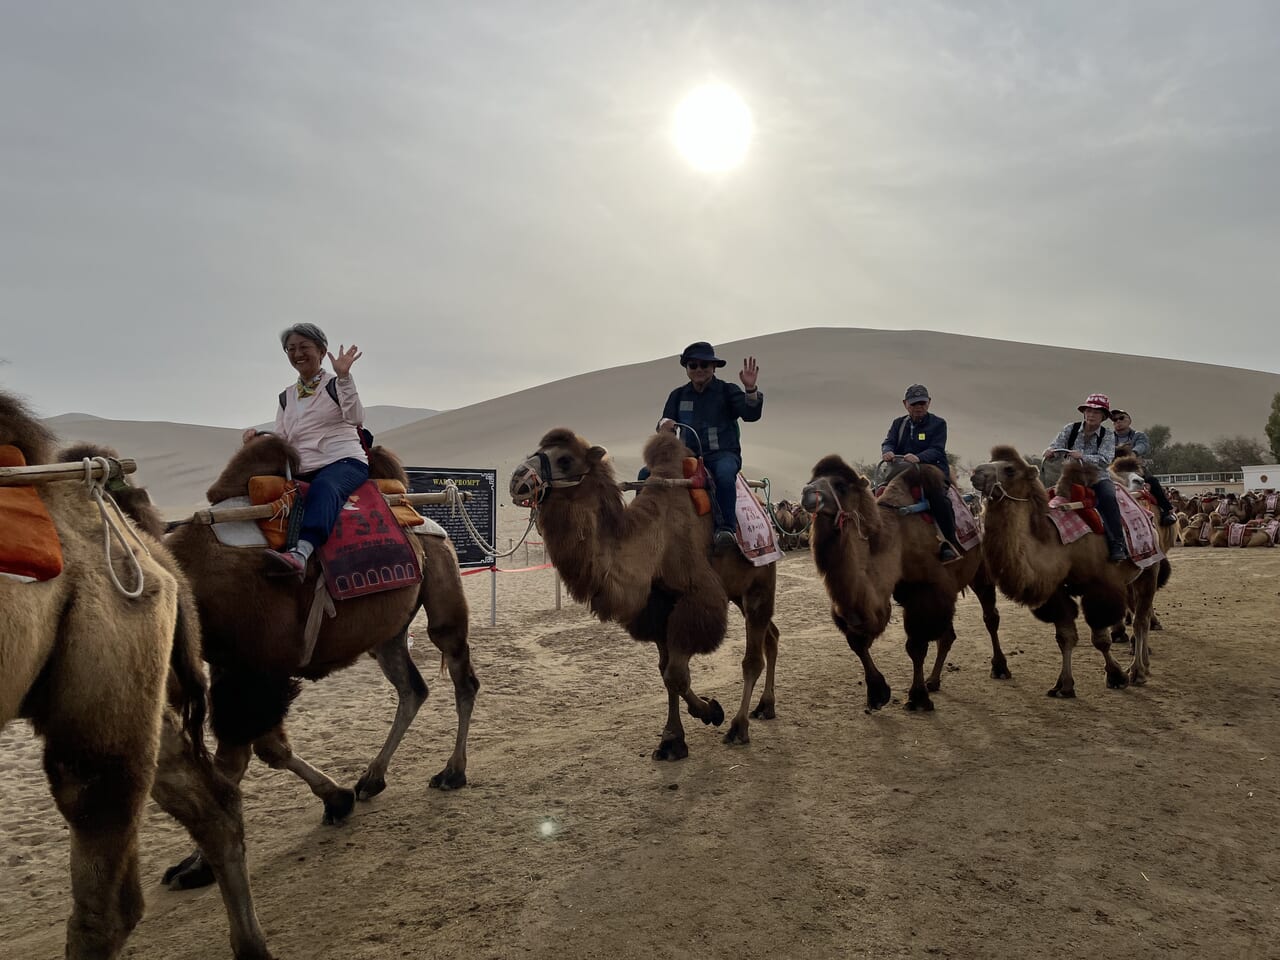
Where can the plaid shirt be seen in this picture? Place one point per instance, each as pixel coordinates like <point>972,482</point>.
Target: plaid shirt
<point>1100,453</point>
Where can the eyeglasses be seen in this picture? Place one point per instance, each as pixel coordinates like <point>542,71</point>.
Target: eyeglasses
<point>697,365</point>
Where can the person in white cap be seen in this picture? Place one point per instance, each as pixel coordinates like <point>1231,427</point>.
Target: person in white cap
<point>1088,440</point>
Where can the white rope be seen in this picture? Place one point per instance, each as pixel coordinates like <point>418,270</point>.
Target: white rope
<point>111,526</point>
<point>453,497</point>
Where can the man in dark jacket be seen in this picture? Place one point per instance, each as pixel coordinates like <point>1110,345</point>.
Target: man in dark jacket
<point>1136,443</point>
<point>921,437</point>
<point>711,409</point>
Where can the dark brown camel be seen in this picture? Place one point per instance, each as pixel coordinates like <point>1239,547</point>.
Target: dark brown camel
<point>648,566</point>
<point>869,555</point>
<point>115,688</point>
<point>1032,567</point>
<point>253,629</point>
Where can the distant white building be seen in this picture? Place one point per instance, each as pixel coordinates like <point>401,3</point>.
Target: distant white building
<point>1193,484</point>
<point>1262,476</point>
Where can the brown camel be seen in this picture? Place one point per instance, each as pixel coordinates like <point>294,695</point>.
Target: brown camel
<point>115,688</point>
<point>1126,472</point>
<point>869,554</point>
<point>253,639</point>
<point>1032,567</point>
<point>648,566</point>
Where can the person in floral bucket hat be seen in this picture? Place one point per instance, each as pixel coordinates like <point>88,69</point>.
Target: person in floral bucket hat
<point>1088,440</point>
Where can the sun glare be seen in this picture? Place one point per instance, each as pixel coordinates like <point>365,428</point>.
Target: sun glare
<point>712,128</point>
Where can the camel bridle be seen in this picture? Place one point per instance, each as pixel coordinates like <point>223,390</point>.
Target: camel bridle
<point>822,487</point>
<point>540,480</point>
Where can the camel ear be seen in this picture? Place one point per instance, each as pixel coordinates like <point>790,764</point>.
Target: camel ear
<point>596,454</point>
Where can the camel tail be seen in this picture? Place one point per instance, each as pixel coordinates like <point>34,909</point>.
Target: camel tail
<point>1166,571</point>
<point>246,704</point>
<point>190,697</point>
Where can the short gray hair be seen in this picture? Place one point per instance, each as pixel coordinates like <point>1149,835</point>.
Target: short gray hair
<point>308,330</point>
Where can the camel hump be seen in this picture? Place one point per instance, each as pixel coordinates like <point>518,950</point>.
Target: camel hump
<point>664,455</point>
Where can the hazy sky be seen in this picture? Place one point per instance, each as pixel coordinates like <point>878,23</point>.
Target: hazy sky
<point>484,196</point>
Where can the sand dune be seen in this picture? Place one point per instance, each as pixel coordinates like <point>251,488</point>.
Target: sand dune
<point>827,390</point>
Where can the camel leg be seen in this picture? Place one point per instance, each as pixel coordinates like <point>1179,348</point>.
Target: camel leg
<point>411,693</point>
<point>452,641</point>
<point>1103,612</point>
<point>765,709</point>
<point>933,683</point>
<point>672,746</point>
<point>986,592</point>
<point>101,798</point>
<point>190,790</point>
<point>926,615</point>
<point>877,688</point>
<point>759,626</point>
<point>274,750</point>
<point>230,762</point>
<point>1144,597</point>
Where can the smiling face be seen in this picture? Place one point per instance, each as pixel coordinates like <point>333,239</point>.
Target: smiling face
<point>304,355</point>
<point>700,373</point>
<point>1092,418</point>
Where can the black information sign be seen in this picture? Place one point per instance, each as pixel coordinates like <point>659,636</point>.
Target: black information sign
<point>482,508</point>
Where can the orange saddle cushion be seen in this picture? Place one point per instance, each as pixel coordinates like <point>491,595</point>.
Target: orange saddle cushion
<point>277,490</point>
<point>701,499</point>
<point>29,544</point>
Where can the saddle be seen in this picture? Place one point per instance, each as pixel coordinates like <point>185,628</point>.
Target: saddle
<point>282,494</point>
<point>29,544</point>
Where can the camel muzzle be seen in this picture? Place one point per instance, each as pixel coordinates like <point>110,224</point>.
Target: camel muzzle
<point>983,478</point>
<point>810,498</point>
<point>527,488</point>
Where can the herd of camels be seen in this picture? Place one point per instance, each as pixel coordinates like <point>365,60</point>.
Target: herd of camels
<point>210,642</point>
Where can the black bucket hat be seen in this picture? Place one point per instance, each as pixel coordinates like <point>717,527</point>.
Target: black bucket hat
<point>700,351</point>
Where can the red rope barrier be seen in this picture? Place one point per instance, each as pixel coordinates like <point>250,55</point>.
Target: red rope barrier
<point>541,566</point>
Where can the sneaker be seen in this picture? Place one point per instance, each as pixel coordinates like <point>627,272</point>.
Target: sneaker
<point>724,539</point>
<point>1167,519</point>
<point>286,563</point>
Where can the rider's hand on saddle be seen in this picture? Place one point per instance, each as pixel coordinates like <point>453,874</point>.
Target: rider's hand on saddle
<point>1076,454</point>
<point>911,458</point>
<point>666,424</point>
<point>887,457</point>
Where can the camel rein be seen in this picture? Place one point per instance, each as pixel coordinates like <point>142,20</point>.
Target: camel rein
<point>842,515</point>
<point>111,526</point>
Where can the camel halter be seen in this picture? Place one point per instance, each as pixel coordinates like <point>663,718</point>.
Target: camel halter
<point>111,526</point>
<point>842,515</point>
<point>541,480</point>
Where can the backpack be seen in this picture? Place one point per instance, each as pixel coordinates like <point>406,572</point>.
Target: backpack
<point>331,388</point>
<point>1071,436</point>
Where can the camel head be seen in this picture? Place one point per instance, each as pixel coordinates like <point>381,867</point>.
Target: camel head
<point>133,500</point>
<point>835,489</point>
<point>266,455</point>
<point>19,427</point>
<point>563,460</point>
<point>1007,474</point>
<point>1128,473</point>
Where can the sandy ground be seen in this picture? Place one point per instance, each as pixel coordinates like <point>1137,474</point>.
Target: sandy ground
<point>1137,823</point>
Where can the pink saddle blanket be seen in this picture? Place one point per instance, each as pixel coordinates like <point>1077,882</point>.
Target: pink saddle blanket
<point>1139,529</point>
<point>367,552</point>
<point>755,531</point>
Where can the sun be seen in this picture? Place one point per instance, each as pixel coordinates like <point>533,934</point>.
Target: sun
<point>712,128</point>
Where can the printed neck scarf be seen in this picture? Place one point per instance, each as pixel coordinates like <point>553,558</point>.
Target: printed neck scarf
<point>308,387</point>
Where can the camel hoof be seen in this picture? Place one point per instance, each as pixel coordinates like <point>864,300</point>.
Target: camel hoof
<point>933,686</point>
<point>877,693</point>
<point>918,702</point>
<point>1058,691</point>
<point>369,787</point>
<point>448,779</point>
<point>1155,624</point>
<point>671,750</point>
<point>714,715</point>
<point>763,711</point>
<point>338,806</point>
<point>1116,680</point>
<point>1137,679</point>
<point>1000,669</point>
<point>738,733</point>
<point>191,874</point>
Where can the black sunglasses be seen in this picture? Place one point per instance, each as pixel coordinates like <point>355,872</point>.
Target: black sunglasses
<point>697,365</point>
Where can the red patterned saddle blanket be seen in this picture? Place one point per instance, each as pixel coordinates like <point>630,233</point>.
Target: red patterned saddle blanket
<point>368,552</point>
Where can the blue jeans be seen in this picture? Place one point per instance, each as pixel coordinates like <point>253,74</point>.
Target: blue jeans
<point>330,487</point>
<point>723,468</point>
<point>1109,510</point>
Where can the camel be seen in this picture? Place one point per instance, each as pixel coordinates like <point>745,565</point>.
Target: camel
<point>1197,530</point>
<point>1032,567</point>
<point>115,688</point>
<point>253,629</point>
<point>1126,472</point>
<point>648,566</point>
<point>869,554</point>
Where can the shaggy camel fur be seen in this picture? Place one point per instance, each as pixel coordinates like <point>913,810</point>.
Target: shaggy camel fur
<point>869,554</point>
<point>1032,566</point>
<point>253,638</point>
<point>1126,473</point>
<point>114,686</point>
<point>648,566</point>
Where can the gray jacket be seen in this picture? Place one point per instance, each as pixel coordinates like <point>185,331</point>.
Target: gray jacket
<point>1136,441</point>
<point>1099,450</point>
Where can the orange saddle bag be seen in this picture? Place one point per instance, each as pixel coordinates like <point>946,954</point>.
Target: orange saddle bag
<point>694,470</point>
<point>29,543</point>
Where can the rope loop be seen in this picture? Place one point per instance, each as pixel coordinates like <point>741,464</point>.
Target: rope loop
<point>111,526</point>
<point>458,507</point>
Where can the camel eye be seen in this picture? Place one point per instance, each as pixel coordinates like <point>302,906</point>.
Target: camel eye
<point>564,462</point>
